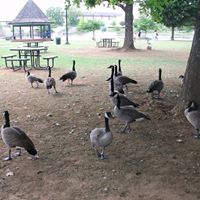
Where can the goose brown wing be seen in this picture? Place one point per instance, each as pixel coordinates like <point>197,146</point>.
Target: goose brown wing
<point>68,75</point>
<point>125,101</point>
<point>125,80</point>
<point>154,85</point>
<point>131,113</point>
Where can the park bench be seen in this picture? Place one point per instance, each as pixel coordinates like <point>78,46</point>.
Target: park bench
<point>50,58</point>
<point>6,57</point>
<point>22,63</point>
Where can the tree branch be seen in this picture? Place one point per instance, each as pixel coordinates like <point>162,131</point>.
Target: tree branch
<point>121,6</point>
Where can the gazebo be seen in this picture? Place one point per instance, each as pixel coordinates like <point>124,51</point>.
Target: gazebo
<point>31,24</point>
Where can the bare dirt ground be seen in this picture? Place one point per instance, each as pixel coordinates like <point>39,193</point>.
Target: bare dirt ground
<point>158,160</point>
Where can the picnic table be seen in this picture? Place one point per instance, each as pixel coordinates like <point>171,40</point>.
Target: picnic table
<point>34,53</point>
<point>33,43</point>
<point>107,42</point>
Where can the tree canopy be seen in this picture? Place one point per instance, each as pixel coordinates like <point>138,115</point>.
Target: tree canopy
<point>90,26</point>
<point>172,13</point>
<point>180,13</point>
<point>55,15</point>
<point>145,23</point>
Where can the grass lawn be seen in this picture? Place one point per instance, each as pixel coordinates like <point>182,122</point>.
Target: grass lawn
<point>78,50</point>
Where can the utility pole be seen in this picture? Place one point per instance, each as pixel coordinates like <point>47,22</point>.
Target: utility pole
<point>67,5</point>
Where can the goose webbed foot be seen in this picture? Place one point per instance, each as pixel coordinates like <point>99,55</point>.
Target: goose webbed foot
<point>98,154</point>
<point>103,156</point>
<point>17,152</point>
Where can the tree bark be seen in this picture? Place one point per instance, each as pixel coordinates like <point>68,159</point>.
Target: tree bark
<point>128,40</point>
<point>172,36</point>
<point>191,85</point>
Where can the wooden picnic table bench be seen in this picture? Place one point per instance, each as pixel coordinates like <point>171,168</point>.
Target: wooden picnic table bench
<point>22,63</point>
<point>6,57</point>
<point>48,58</point>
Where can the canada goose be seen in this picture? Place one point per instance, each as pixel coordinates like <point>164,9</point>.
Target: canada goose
<point>192,113</point>
<point>122,79</point>
<point>101,137</point>
<point>156,85</point>
<point>50,82</point>
<point>71,75</point>
<point>117,86</point>
<point>128,114</point>
<point>124,101</point>
<point>15,137</point>
<point>31,79</point>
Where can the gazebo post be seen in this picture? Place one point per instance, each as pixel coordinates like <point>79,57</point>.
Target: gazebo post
<point>20,32</point>
<point>40,31</point>
<point>13,31</point>
<point>32,31</point>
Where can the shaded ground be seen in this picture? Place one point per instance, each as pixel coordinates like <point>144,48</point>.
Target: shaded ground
<point>159,160</point>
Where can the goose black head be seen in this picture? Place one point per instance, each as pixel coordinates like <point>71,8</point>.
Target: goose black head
<point>108,115</point>
<point>28,73</point>
<point>192,106</point>
<point>108,79</point>
<point>112,73</point>
<point>181,77</point>
<point>74,63</point>
<point>111,66</point>
<point>7,120</point>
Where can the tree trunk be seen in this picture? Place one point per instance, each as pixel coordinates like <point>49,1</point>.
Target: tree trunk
<point>191,85</point>
<point>172,36</point>
<point>128,40</point>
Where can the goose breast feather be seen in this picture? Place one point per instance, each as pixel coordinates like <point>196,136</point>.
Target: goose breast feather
<point>49,82</point>
<point>99,137</point>
<point>193,117</point>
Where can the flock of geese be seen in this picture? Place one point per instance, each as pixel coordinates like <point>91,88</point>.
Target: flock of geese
<point>124,109</point>
<point>14,136</point>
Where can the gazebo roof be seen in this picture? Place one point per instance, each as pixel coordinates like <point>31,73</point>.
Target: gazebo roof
<point>30,14</point>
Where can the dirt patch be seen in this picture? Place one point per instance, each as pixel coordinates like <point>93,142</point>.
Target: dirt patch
<point>158,160</point>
